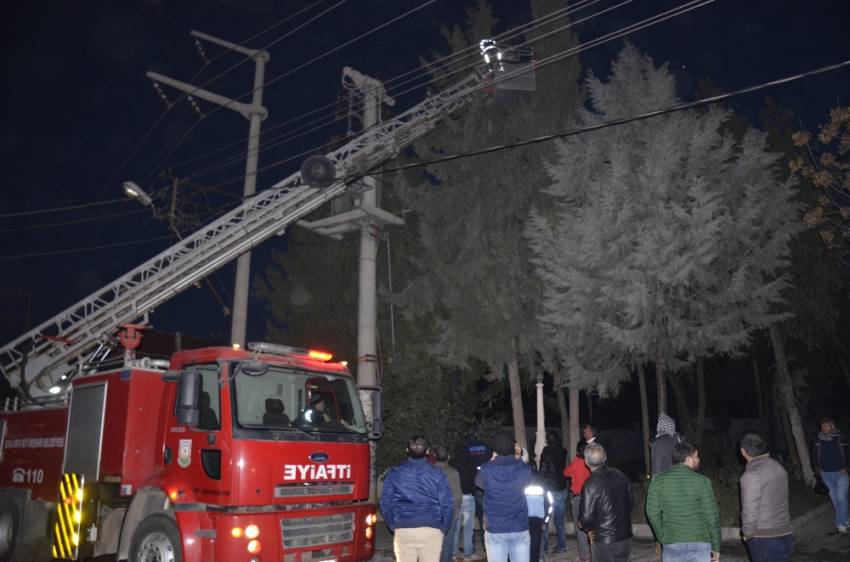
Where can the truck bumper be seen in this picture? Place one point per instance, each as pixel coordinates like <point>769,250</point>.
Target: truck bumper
<point>340,534</point>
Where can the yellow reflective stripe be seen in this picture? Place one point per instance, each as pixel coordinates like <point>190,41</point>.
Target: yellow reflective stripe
<point>58,538</point>
<point>77,490</point>
<point>64,543</point>
<point>57,543</point>
<point>65,527</point>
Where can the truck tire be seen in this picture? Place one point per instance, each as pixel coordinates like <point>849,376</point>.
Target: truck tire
<point>156,539</point>
<point>9,526</point>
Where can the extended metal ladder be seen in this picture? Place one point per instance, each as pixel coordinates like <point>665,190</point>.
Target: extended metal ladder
<point>71,340</point>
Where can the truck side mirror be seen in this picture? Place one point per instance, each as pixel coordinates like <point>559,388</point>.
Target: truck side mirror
<point>370,397</point>
<point>187,398</point>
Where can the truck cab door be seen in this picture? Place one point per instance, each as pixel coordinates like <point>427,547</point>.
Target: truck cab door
<point>196,447</point>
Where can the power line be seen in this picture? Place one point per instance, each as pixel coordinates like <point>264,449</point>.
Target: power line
<point>68,208</point>
<point>162,115</point>
<point>542,20</point>
<point>332,118</point>
<point>85,249</point>
<point>609,123</point>
<point>288,73</point>
<point>78,221</point>
<point>561,55</point>
<point>258,34</point>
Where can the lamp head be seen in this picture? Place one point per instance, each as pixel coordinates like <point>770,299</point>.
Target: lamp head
<point>132,189</point>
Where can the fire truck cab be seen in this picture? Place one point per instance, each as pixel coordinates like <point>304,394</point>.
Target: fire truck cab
<point>228,454</point>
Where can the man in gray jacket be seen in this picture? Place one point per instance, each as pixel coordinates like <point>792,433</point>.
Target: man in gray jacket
<point>442,456</point>
<point>765,518</point>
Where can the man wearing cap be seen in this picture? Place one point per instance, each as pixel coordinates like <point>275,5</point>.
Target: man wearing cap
<point>504,480</point>
<point>417,505</point>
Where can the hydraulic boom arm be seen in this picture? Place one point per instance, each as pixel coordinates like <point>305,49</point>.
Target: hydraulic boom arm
<point>72,340</point>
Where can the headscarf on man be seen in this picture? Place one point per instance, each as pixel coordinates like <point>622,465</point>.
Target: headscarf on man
<point>666,426</point>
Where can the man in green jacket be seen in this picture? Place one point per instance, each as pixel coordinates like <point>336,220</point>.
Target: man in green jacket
<point>682,511</point>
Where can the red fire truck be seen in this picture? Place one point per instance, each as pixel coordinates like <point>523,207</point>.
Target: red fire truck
<point>220,454</point>
<point>258,454</point>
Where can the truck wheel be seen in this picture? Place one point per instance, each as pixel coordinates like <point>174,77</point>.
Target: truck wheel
<point>9,518</point>
<point>156,540</point>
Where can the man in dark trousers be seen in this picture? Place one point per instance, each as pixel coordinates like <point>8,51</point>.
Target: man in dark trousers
<point>829,457</point>
<point>605,508</point>
<point>416,502</point>
<point>441,454</point>
<point>765,517</point>
<point>662,445</point>
<point>539,501</point>
<point>471,453</point>
<point>553,459</point>
<point>504,480</point>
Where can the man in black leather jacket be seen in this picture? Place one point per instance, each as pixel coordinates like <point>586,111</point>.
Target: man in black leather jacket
<point>605,508</point>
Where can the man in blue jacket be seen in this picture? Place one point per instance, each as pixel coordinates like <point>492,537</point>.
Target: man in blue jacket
<point>416,502</point>
<point>504,480</point>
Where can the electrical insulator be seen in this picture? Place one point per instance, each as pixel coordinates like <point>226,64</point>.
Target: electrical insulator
<point>160,93</point>
<point>201,52</point>
<point>194,105</point>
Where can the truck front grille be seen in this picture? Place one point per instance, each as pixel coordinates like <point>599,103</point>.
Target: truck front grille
<point>302,490</point>
<point>312,531</point>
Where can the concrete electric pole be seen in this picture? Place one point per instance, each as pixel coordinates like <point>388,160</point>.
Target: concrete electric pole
<point>367,218</point>
<point>255,113</point>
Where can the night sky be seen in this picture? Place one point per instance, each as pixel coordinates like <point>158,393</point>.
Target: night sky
<point>78,101</point>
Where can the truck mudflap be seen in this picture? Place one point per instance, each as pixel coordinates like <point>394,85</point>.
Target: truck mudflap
<point>70,517</point>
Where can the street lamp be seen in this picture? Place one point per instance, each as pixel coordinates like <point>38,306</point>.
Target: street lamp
<point>132,190</point>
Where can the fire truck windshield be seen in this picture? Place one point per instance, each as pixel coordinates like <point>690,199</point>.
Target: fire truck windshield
<point>286,399</point>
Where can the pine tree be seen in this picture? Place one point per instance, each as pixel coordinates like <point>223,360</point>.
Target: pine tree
<point>471,213</point>
<point>669,240</point>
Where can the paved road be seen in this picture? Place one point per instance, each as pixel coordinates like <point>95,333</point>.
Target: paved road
<point>817,541</point>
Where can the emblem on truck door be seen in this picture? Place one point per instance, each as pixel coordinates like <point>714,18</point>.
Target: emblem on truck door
<point>184,453</point>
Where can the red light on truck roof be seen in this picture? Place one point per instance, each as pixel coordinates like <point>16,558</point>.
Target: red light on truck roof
<point>319,355</point>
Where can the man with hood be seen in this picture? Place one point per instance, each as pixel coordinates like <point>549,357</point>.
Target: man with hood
<point>416,501</point>
<point>504,480</point>
<point>662,446</point>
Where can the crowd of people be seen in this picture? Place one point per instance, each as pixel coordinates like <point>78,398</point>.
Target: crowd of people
<point>431,501</point>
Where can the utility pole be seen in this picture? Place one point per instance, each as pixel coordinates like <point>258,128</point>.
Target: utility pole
<point>255,113</point>
<point>370,235</point>
<point>367,219</point>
